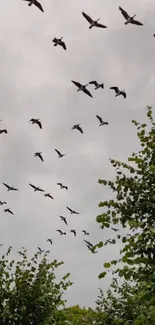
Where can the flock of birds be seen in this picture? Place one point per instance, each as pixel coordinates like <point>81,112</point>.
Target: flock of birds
<point>59,42</point>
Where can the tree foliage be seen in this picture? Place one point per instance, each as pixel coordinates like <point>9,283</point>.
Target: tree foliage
<point>83,316</point>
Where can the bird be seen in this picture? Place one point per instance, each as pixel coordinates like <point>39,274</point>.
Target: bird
<point>129,20</point>
<point>62,186</point>
<point>82,88</point>
<point>36,121</point>
<point>93,23</point>
<point>49,195</point>
<point>36,188</point>
<point>10,188</point>
<point>63,219</point>
<point>88,243</point>
<point>61,232</point>
<point>72,211</point>
<point>77,127</point>
<point>36,3</point>
<point>21,253</point>
<point>73,231</point>
<point>119,92</point>
<point>59,153</point>
<point>8,210</point>
<point>50,241</point>
<point>96,84</point>
<point>39,155</point>
<point>101,121</point>
<point>58,41</point>
<point>3,202</point>
<point>85,232</point>
<point>115,229</point>
<point>40,250</point>
<point>90,246</point>
<point>3,131</point>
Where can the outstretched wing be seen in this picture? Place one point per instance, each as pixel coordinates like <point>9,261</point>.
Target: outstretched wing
<point>33,186</point>
<point>93,83</point>
<point>41,190</point>
<point>77,84</point>
<point>115,88</point>
<point>58,152</point>
<point>54,39</point>
<point>124,13</point>
<point>100,25</point>
<point>6,185</point>
<point>124,94</point>
<point>88,18</point>
<point>88,243</point>
<point>99,118</point>
<point>69,209</point>
<point>14,189</point>
<point>39,124</point>
<point>64,45</point>
<point>38,5</point>
<point>86,91</point>
<point>80,129</point>
<point>136,22</point>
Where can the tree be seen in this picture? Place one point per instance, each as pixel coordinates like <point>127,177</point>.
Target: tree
<point>29,293</point>
<point>83,316</point>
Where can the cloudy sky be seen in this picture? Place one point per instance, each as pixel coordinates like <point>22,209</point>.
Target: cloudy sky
<point>35,81</point>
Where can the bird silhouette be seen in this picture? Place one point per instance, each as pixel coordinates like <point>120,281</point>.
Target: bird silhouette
<point>49,195</point>
<point>36,188</point>
<point>118,92</point>
<point>3,202</point>
<point>36,3</point>
<point>96,84</point>
<point>50,241</point>
<point>36,121</point>
<point>58,41</point>
<point>10,188</point>
<point>72,211</point>
<point>63,219</point>
<point>73,231</point>
<point>93,23</point>
<point>61,232</point>
<point>62,186</point>
<point>115,229</point>
<point>60,155</point>
<point>82,88</point>
<point>39,155</point>
<point>101,121</point>
<point>129,20</point>
<point>77,127</point>
<point>3,131</point>
<point>85,232</point>
<point>9,211</point>
<point>40,250</point>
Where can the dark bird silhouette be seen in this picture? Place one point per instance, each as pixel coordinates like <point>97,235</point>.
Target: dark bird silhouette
<point>64,220</point>
<point>88,243</point>
<point>85,232</point>
<point>36,188</point>
<point>40,250</point>
<point>90,246</point>
<point>39,155</point>
<point>119,92</point>
<point>3,131</point>
<point>72,211</point>
<point>60,155</point>
<point>93,23</point>
<point>3,202</point>
<point>77,127</point>
<point>36,3</point>
<point>115,229</point>
<point>58,41</point>
<point>10,188</point>
<point>73,231</point>
<point>101,121</point>
<point>82,88</point>
<point>62,186</point>
<point>96,84</point>
<point>36,121</point>
<point>49,195</point>
<point>50,241</point>
<point>9,211</point>
<point>61,232</point>
<point>129,20</point>
<point>21,253</point>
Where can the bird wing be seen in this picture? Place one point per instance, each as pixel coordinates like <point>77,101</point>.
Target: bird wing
<point>64,45</point>
<point>80,129</point>
<point>14,189</point>
<point>136,22</point>
<point>6,185</point>
<point>33,186</point>
<point>65,221</point>
<point>41,190</point>
<point>86,91</point>
<point>75,212</point>
<point>41,157</point>
<point>58,152</point>
<point>39,124</point>
<point>99,118</point>
<point>88,18</point>
<point>93,83</point>
<point>69,209</point>
<point>54,39</point>
<point>88,243</point>
<point>115,88</point>
<point>38,5</point>
<point>101,25</point>
<point>77,84</point>
<point>10,211</point>
<point>124,13</point>
<point>124,94</point>
<point>59,184</point>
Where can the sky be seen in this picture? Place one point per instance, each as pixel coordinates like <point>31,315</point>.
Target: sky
<point>35,82</point>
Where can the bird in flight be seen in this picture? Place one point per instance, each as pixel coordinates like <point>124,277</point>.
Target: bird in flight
<point>36,188</point>
<point>73,231</point>
<point>36,121</point>
<point>3,131</point>
<point>40,250</point>
<point>62,186</point>
<point>39,155</point>
<point>64,220</point>
<point>101,121</point>
<point>96,84</point>
<point>10,188</point>
<point>129,20</point>
<point>50,241</point>
<point>85,232</point>
<point>9,211</point>
<point>82,88</point>
<point>58,41</point>
<point>119,92</point>
<point>93,23</point>
<point>36,3</point>
<point>3,202</point>
<point>72,211</point>
<point>60,155</point>
<point>77,127</point>
<point>61,232</point>
<point>90,246</point>
<point>115,229</point>
<point>49,195</point>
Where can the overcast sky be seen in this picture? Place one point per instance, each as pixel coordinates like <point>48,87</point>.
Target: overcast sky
<point>35,81</point>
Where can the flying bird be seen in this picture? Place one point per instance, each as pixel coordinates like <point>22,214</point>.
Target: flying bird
<point>62,186</point>
<point>3,131</point>
<point>77,127</point>
<point>49,195</point>
<point>3,202</point>
<point>129,20</point>
<point>61,232</point>
<point>85,232</point>
<point>36,3</point>
<point>40,250</point>
<point>59,153</point>
<point>93,23</point>
<point>115,229</point>
<point>64,220</point>
<point>39,155</point>
<point>101,121</point>
<point>96,84</point>
<point>119,92</point>
<point>88,243</point>
<point>36,188</point>
<point>58,41</point>
<point>72,211</point>
<point>9,211</point>
<point>73,231</point>
<point>10,188</point>
<point>82,88</point>
<point>90,246</point>
<point>36,121</point>
<point>50,241</point>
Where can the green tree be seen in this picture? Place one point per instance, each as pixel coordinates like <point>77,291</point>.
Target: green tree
<point>29,293</point>
<point>83,316</point>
